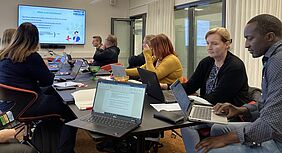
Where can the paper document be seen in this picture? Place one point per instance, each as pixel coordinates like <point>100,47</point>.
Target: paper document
<point>134,81</point>
<point>167,107</point>
<point>66,84</point>
<point>105,77</point>
<point>200,99</point>
<point>84,98</point>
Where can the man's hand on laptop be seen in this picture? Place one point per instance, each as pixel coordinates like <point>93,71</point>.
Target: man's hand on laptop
<point>229,110</point>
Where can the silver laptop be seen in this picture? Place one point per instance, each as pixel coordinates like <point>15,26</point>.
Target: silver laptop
<point>195,112</point>
<point>117,109</point>
<point>154,88</point>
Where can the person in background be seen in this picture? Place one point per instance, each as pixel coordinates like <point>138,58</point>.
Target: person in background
<point>107,53</point>
<point>6,38</point>
<point>8,143</point>
<point>161,59</point>
<point>97,43</point>
<point>139,60</point>
<point>263,134</point>
<point>221,77</point>
<point>21,66</point>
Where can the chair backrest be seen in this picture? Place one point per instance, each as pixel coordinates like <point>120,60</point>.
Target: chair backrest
<point>254,94</point>
<point>22,99</point>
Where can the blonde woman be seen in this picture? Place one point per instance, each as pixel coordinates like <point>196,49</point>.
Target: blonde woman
<point>160,58</point>
<point>7,36</point>
<point>21,66</point>
<point>221,77</point>
<point>8,143</point>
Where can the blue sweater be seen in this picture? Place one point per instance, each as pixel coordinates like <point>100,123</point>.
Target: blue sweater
<point>30,74</point>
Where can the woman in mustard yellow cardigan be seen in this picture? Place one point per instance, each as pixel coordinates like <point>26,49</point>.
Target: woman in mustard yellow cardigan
<point>160,58</point>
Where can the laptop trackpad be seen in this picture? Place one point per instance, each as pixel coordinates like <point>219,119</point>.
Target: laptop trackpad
<point>219,118</point>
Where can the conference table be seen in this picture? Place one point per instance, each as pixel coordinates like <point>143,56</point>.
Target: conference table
<point>149,123</point>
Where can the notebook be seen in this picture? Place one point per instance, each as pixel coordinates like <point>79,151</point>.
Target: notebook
<point>73,73</point>
<point>83,99</point>
<point>154,88</point>
<point>195,112</point>
<point>117,109</point>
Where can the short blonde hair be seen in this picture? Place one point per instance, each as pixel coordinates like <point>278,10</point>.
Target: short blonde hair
<point>222,32</point>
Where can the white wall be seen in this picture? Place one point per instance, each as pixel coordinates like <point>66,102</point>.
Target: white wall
<point>137,7</point>
<point>98,19</point>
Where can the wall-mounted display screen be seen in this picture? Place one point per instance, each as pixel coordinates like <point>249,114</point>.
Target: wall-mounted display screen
<point>55,25</point>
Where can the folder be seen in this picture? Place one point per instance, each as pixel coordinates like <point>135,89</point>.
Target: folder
<point>169,116</point>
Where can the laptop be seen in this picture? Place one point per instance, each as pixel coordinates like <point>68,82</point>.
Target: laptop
<point>54,61</point>
<point>195,112</point>
<point>57,66</point>
<point>117,109</point>
<point>73,73</point>
<point>154,88</point>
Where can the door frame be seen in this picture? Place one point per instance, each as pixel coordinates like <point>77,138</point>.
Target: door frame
<point>131,23</point>
<point>191,21</point>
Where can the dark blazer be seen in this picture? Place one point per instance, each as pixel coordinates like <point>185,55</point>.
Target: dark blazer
<point>30,74</point>
<point>232,82</point>
<point>107,56</point>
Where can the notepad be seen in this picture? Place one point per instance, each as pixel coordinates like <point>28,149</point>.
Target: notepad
<point>84,98</point>
<point>166,107</point>
<point>66,84</point>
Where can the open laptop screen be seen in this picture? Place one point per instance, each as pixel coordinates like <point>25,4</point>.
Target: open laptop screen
<point>76,68</point>
<point>125,99</point>
<point>180,95</point>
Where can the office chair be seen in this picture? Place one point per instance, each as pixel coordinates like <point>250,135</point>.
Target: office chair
<point>22,100</point>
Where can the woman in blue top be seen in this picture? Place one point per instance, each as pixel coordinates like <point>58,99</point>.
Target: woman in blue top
<point>21,66</point>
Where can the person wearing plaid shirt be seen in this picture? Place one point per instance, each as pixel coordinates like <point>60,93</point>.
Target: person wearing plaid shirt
<point>263,35</point>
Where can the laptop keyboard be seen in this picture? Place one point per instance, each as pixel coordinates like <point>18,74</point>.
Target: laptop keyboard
<point>202,113</point>
<point>108,121</point>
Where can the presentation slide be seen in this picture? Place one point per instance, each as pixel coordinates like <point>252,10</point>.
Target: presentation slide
<point>55,25</point>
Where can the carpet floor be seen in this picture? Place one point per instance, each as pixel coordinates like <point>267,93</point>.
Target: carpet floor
<point>171,144</point>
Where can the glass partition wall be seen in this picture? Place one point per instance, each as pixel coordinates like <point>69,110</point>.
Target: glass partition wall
<point>192,21</point>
